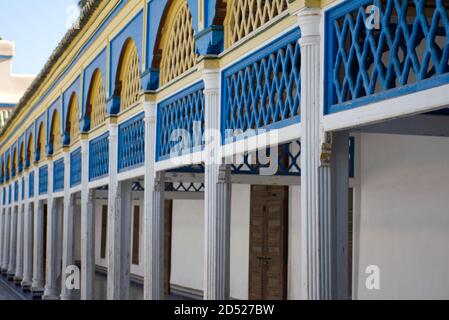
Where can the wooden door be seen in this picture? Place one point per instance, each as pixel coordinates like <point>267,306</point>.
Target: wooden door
<point>268,243</point>
<point>167,244</point>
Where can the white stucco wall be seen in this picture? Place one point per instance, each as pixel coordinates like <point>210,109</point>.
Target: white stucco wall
<point>404,216</point>
<point>294,244</point>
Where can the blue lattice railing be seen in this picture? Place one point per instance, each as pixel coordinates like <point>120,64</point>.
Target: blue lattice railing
<point>180,123</point>
<point>4,196</point>
<point>264,90</point>
<point>131,147</point>
<point>16,191</point>
<point>10,194</point>
<point>31,187</point>
<point>75,167</point>
<point>43,180</point>
<point>58,175</point>
<point>99,157</point>
<point>406,51</point>
<point>23,188</point>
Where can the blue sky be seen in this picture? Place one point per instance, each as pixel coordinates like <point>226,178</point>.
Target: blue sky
<point>36,26</point>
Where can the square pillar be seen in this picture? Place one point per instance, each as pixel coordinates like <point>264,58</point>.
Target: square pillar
<point>217,196</point>
<point>154,213</point>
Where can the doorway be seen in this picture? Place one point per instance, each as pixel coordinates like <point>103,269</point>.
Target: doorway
<point>268,243</point>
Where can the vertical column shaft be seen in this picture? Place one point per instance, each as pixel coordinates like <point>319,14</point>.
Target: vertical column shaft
<point>6,238</point>
<point>38,238</point>
<point>52,241</point>
<point>87,228</point>
<point>68,240</point>
<point>217,197</point>
<point>315,177</point>
<point>20,219</point>
<point>27,237</point>
<point>154,201</point>
<point>13,242</point>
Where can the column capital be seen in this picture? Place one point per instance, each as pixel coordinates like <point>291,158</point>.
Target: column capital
<point>150,111</point>
<point>309,20</point>
<point>211,78</point>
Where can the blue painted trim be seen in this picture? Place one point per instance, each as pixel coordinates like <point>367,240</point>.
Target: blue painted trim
<point>6,57</point>
<point>85,47</point>
<point>267,50</point>
<point>210,41</point>
<point>7,105</point>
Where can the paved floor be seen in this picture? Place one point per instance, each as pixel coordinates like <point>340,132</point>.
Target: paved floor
<point>9,291</point>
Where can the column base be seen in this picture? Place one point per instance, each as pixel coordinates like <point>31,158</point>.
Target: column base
<point>18,280</point>
<point>10,276</point>
<point>50,294</point>
<point>70,296</point>
<point>26,286</point>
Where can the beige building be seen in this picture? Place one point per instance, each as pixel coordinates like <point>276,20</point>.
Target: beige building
<point>12,86</point>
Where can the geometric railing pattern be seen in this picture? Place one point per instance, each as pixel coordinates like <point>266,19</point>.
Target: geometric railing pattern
<point>58,175</point>
<point>43,180</point>
<point>131,146</point>
<point>31,185</point>
<point>180,123</point>
<point>10,194</point>
<point>264,90</point>
<point>75,167</point>
<point>288,161</point>
<point>245,16</point>
<point>406,51</point>
<point>99,157</point>
<point>23,188</point>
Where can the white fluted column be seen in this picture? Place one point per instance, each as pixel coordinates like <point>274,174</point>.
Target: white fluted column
<point>119,225</point>
<point>68,239</point>
<point>217,195</point>
<point>27,237</point>
<point>87,228</point>
<point>6,237</point>
<point>51,291</point>
<point>13,242</point>
<point>316,257</point>
<point>2,225</point>
<point>38,239</point>
<point>18,276</point>
<point>154,212</point>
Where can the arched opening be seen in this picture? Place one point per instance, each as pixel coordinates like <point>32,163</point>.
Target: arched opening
<point>21,156</point>
<point>30,150</point>
<point>55,133</point>
<point>14,162</point>
<point>8,166</point>
<point>96,103</point>
<point>72,127</point>
<point>127,84</point>
<point>175,49</point>
<point>246,16</point>
<point>41,142</point>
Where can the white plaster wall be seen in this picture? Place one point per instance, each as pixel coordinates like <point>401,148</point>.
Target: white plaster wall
<point>187,244</point>
<point>98,210</point>
<point>403,221</point>
<point>294,244</point>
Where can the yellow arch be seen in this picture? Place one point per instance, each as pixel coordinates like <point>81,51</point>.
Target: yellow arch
<point>73,124</point>
<point>41,141</point>
<point>22,153</point>
<point>246,16</point>
<point>55,133</point>
<point>129,76</point>
<point>177,44</point>
<point>30,151</point>
<point>15,161</point>
<point>96,106</point>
